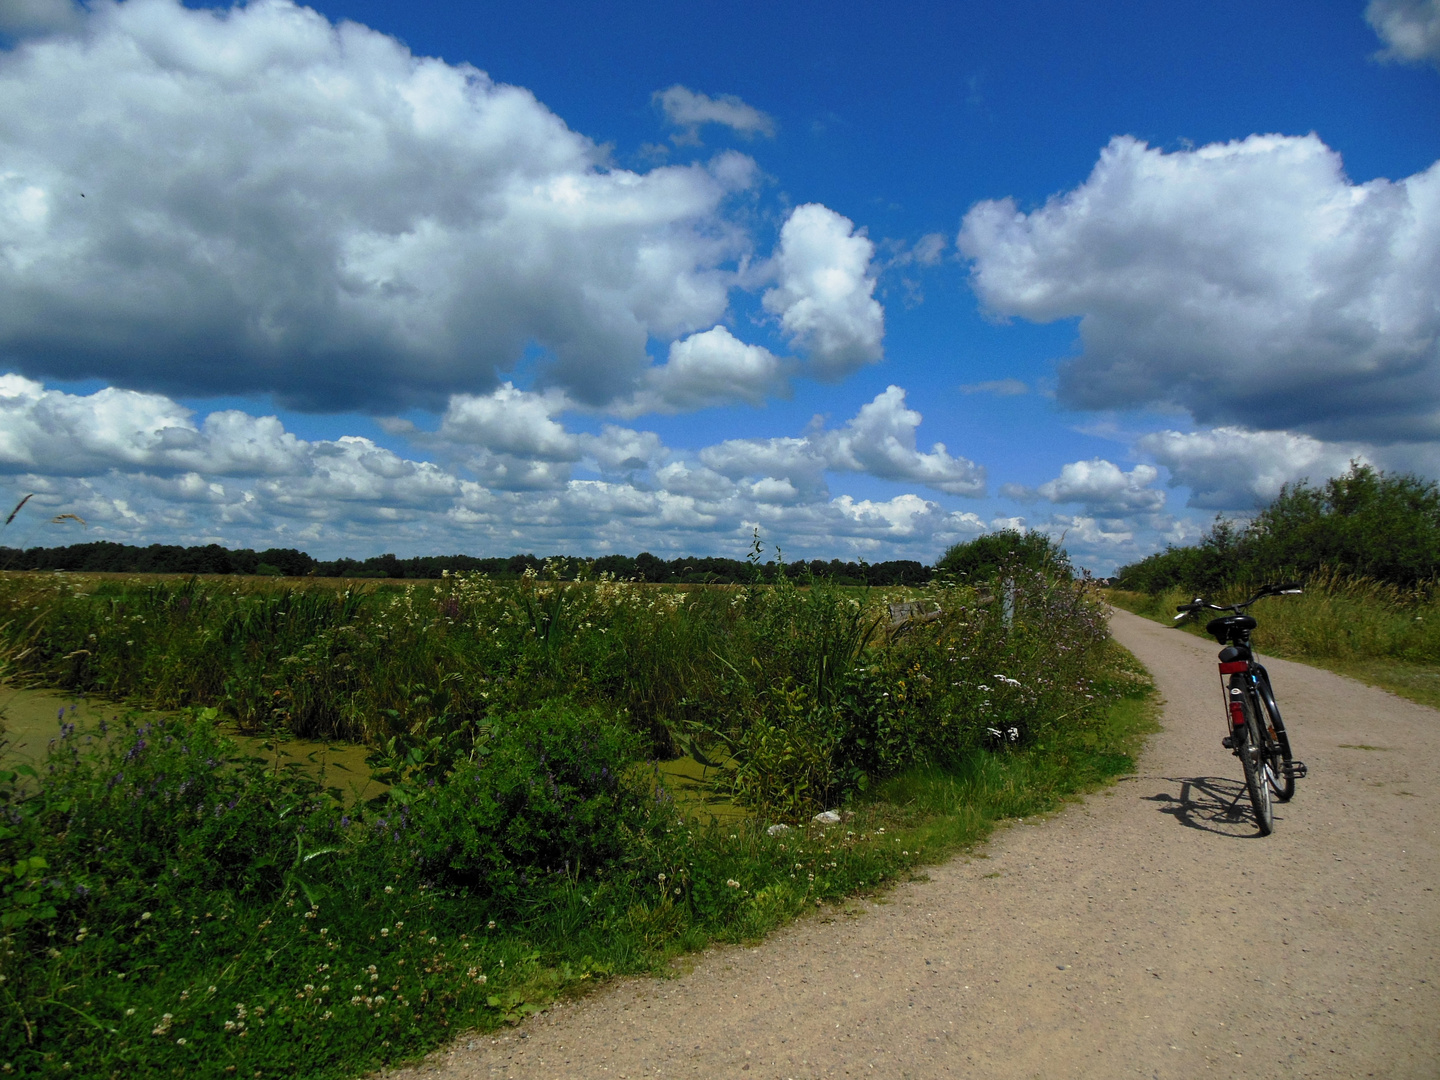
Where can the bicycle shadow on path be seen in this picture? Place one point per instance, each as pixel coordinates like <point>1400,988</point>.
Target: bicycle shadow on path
<point>1213,804</point>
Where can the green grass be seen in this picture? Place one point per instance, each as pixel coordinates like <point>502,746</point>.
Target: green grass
<point>1372,632</point>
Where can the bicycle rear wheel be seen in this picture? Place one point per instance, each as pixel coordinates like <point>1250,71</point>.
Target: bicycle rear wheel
<point>1253,758</point>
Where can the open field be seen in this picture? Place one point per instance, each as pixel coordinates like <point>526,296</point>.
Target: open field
<point>171,901</point>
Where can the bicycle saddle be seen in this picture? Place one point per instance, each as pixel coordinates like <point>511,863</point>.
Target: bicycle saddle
<point>1230,627</point>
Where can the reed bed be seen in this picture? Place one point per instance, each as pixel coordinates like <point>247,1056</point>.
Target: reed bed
<point>734,674</point>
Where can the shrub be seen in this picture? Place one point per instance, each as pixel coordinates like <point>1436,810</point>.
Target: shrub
<point>547,792</point>
<point>987,556</point>
<point>142,814</point>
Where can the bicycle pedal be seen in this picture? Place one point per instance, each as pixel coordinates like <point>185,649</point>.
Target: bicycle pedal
<point>1296,770</point>
<point>1228,743</point>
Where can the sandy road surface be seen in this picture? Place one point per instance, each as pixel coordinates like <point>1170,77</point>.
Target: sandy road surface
<point>1143,933</point>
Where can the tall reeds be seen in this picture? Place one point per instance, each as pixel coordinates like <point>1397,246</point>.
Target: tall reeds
<point>766,677</point>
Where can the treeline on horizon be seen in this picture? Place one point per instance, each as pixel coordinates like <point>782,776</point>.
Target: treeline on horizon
<point>1364,524</point>
<point>104,556</point>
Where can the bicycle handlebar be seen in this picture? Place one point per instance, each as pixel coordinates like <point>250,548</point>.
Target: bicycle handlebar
<point>1288,588</point>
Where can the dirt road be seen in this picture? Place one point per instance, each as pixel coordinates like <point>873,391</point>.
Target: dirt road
<point>1146,932</point>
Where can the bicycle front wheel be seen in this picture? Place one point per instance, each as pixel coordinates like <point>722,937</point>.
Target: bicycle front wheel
<point>1253,758</point>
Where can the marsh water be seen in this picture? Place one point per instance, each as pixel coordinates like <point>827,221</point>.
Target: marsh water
<point>31,719</point>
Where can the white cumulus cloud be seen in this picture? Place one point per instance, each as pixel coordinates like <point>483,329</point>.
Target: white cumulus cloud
<point>710,368</point>
<point>1409,28</point>
<point>1102,486</point>
<point>879,440</point>
<point>20,17</point>
<point>1251,283</point>
<point>140,468</point>
<point>824,296</point>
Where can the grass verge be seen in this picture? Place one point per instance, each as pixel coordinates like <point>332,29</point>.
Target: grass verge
<point>337,960</point>
<point>1362,629</point>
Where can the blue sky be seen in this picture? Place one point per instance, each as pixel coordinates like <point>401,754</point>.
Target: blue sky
<point>585,278</point>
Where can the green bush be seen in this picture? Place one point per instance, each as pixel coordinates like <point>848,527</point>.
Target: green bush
<point>1335,619</point>
<point>547,792</point>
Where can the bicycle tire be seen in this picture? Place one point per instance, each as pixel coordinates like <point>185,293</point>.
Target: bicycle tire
<point>1252,757</point>
<point>1277,749</point>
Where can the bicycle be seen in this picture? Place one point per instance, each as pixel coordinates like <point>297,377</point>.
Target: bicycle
<point>1258,738</point>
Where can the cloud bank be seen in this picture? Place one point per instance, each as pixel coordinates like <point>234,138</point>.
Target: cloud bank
<point>252,199</point>
<point>508,476</point>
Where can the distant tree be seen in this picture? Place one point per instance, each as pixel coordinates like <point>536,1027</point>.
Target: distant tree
<point>651,568</point>
<point>1199,568</point>
<point>288,561</point>
<point>620,566</point>
<point>985,557</point>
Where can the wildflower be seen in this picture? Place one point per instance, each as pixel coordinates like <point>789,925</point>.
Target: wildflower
<point>145,916</point>
<point>732,883</point>
<point>384,931</point>
<point>490,925</point>
<point>389,889</point>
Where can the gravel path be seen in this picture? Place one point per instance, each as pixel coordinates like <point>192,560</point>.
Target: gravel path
<point>1146,932</point>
